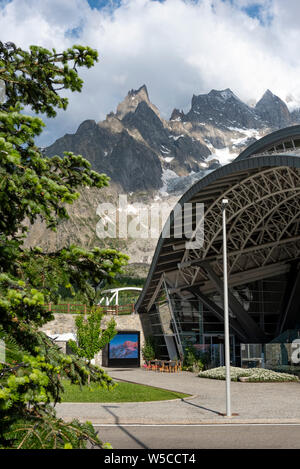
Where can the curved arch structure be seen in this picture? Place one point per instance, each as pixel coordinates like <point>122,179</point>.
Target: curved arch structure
<point>263,215</point>
<point>282,141</point>
<point>111,296</point>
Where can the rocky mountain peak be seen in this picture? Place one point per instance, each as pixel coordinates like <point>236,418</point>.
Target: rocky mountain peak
<point>177,115</point>
<point>273,110</point>
<point>143,112</point>
<point>86,126</point>
<point>269,95</point>
<point>222,109</point>
<point>132,100</point>
<point>267,98</point>
<point>223,94</point>
<point>142,92</point>
<point>152,159</point>
<point>134,139</point>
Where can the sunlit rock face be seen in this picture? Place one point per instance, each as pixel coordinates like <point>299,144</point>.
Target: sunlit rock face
<point>274,111</point>
<point>155,160</point>
<point>140,150</point>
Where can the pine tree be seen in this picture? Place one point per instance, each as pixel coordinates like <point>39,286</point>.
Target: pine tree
<point>34,187</point>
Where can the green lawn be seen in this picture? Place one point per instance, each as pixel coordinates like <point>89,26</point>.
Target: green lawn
<point>123,392</point>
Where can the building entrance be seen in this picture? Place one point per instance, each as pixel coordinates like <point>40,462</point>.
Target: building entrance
<point>216,347</point>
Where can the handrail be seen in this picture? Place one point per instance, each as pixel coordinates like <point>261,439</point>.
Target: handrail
<point>69,308</point>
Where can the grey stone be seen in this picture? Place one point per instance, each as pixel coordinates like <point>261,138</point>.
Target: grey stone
<point>64,323</point>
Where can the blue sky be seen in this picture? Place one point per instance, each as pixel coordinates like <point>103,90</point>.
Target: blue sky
<point>98,4</point>
<point>253,9</point>
<point>256,9</point>
<point>176,47</point>
<point>111,3</point>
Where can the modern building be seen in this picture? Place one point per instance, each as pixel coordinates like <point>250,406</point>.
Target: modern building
<point>183,291</point>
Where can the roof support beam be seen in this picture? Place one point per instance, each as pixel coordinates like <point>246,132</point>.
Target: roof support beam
<point>264,180</point>
<point>240,278</point>
<point>219,313</point>
<point>247,323</point>
<point>234,253</point>
<point>157,289</point>
<point>292,311</point>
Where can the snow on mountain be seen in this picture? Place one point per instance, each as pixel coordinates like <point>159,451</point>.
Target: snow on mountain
<point>140,150</point>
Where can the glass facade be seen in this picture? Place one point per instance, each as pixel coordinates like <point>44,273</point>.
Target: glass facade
<point>188,321</point>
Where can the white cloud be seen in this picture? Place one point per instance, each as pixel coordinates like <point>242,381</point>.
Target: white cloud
<point>177,47</point>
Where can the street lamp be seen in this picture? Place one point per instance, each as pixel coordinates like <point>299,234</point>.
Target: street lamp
<point>226,314</point>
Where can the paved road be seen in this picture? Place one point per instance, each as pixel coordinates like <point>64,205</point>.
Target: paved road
<point>228,436</point>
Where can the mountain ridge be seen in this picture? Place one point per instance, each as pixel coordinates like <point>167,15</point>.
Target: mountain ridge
<point>155,160</point>
<point>136,138</point>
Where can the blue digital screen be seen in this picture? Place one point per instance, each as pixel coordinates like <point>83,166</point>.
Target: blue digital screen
<point>124,346</point>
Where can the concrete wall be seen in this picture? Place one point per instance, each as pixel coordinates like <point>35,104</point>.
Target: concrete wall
<point>64,323</point>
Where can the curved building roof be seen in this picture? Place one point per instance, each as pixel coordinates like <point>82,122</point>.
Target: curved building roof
<point>262,186</point>
<point>282,141</point>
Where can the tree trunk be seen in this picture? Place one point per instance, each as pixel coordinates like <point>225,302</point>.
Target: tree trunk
<point>89,376</point>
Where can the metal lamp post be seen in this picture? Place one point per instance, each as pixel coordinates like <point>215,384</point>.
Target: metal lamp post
<point>226,313</point>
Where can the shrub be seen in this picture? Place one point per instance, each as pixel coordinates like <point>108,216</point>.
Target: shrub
<point>252,374</point>
<point>193,359</point>
<point>148,351</point>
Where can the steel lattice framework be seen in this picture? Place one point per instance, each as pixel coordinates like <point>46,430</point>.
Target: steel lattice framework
<point>263,189</point>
